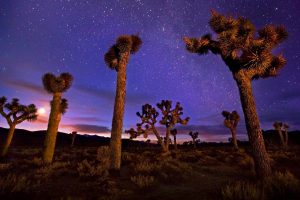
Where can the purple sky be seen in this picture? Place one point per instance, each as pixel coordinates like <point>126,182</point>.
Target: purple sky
<point>72,36</point>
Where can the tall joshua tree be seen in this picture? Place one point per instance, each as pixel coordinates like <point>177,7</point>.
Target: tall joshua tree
<point>248,56</point>
<point>174,133</point>
<point>231,121</point>
<point>16,114</point>
<point>55,85</point>
<point>286,134</point>
<point>278,128</point>
<point>194,136</point>
<point>117,58</point>
<point>74,133</point>
<point>171,117</point>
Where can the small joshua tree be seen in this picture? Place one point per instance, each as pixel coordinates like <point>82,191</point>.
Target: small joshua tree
<point>248,56</point>
<point>171,117</point>
<point>56,86</point>
<point>117,59</point>
<point>278,128</point>
<point>16,114</point>
<point>286,134</point>
<point>231,121</point>
<point>194,136</point>
<point>174,133</point>
<point>74,133</point>
<point>148,118</point>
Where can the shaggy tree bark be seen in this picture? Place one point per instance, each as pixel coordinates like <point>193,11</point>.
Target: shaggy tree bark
<point>8,139</point>
<point>261,157</point>
<point>53,123</point>
<point>160,141</point>
<point>117,121</point>
<point>168,138</point>
<point>175,143</point>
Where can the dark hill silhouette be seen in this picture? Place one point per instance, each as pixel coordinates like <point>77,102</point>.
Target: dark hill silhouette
<point>36,139</point>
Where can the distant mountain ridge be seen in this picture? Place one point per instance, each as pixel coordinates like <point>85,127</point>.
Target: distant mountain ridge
<point>36,139</point>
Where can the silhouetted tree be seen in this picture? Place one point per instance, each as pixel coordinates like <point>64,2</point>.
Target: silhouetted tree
<point>74,133</point>
<point>248,56</point>
<point>16,114</point>
<point>231,121</point>
<point>56,86</point>
<point>148,118</point>
<point>170,117</point>
<point>278,128</point>
<point>174,133</point>
<point>117,58</point>
<point>194,136</point>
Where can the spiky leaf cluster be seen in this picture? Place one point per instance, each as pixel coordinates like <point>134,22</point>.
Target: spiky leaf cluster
<point>231,119</point>
<point>278,125</point>
<point>170,116</point>
<point>63,106</point>
<point>194,135</point>
<point>55,84</point>
<point>125,43</point>
<point>240,48</point>
<point>16,112</point>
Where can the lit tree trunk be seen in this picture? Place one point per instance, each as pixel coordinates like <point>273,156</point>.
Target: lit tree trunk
<point>168,138</point>
<point>8,139</point>
<point>53,123</point>
<point>282,141</point>
<point>286,138</point>
<point>160,141</point>
<point>260,155</point>
<point>73,140</point>
<point>234,139</point>
<point>117,121</point>
<point>175,143</point>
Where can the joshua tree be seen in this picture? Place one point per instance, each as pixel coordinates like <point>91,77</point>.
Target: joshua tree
<point>285,129</point>
<point>278,128</point>
<point>74,133</point>
<point>56,86</point>
<point>231,121</point>
<point>148,118</point>
<point>248,56</point>
<point>174,133</point>
<point>194,136</point>
<point>171,117</point>
<point>117,58</point>
<point>16,114</point>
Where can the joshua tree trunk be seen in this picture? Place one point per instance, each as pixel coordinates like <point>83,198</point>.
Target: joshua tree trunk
<point>286,138</point>
<point>73,140</point>
<point>168,138</point>
<point>175,143</point>
<point>8,139</point>
<point>117,121</point>
<point>234,140</point>
<point>194,143</point>
<point>160,141</point>
<point>53,123</point>
<point>260,155</point>
<point>282,141</point>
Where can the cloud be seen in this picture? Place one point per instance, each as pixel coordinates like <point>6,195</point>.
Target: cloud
<point>24,85</point>
<point>109,95</point>
<point>87,128</point>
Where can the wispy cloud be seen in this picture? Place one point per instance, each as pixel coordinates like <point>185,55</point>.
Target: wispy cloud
<point>86,128</point>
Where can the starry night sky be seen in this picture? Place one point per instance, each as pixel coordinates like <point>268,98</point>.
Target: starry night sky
<point>72,36</point>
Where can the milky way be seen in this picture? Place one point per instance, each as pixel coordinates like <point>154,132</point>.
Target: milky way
<point>72,36</point>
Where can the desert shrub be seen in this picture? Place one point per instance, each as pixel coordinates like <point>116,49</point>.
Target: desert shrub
<point>14,184</point>
<point>88,169</point>
<point>142,181</point>
<point>4,166</point>
<point>279,186</point>
<point>145,167</point>
<point>282,186</point>
<point>103,154</point>
<point>241,191</point>
<point>127,157</point>
<point>56,168</point>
